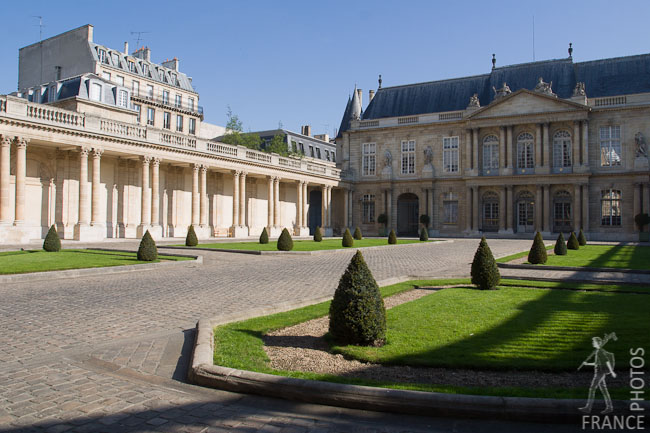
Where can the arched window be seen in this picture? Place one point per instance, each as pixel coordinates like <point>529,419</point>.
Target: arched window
<point>490,152</point>
<point>562,149</point>
<point>490,211</point>
<point>525,151</point>
<point>610,207</point>
<point>562,212</point>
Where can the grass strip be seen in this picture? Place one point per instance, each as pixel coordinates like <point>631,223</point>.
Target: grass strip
<point>306,245</point>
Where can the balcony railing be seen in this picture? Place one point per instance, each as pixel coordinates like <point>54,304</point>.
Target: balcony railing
<point>168,103</point>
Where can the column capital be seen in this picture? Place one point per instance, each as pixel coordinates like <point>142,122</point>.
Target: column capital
<point>196,167</point>
<point>97,152</point>
<point>236,173</point>
<point>145,160</point>
<point>84,151</point>
<point>204,168</point>
<point>21,142</point>
<point>155,161</point>
<point>6,141</point>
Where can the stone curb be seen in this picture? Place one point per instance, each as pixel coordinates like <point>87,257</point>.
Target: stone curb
<point>575,269</point>
<point>203,372</point>
<point>89,272</point>
<point>307,253</point>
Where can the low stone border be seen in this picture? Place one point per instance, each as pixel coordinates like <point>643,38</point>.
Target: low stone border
<point>108,270</point>
<point>308,253</point>
<point>573,268</point>
<point>203,372</point>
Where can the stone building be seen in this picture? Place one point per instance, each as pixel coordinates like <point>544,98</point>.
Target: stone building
<point>550,146</point>
<point>107,144</point>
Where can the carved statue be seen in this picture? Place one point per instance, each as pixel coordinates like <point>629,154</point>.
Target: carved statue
<point>641,148</point>
<point>474,102</point>
<point>388,159</point>
<point>579,90</point>
<point>428,155</point>
<point>543,87</point>
<point>503,91</point>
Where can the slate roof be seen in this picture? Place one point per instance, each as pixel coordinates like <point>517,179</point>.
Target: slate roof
<point>607,77</point>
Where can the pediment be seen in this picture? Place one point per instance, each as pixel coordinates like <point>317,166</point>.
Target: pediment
<point>525,102</point>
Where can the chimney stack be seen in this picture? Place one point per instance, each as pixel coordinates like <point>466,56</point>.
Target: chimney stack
<point>126,48</point>
<point>371,94</point>
<point>171,64</point>
<point>306,130</point>
<point>360,95</point>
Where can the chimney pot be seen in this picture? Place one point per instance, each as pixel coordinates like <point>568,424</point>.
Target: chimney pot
<point>126,48</point>
<point>371,94</point>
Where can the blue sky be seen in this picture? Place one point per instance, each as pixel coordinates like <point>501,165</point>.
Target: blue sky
<point>296,62</point>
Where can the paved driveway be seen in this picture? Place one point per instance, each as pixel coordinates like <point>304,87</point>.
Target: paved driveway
<point>110,353</point>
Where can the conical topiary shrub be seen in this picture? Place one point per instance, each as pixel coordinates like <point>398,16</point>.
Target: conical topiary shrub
<point>357,234</point>
<point>424,234</point>
<point>264,237</point>
<point>285,243</point>
<point>52,243</point>
<point>357,312</point>
<point>392,237</point>
<point>537,254</point>
<point>485,273</point>
<point>191,240</point>
<point>560,246</point>
<point>347,239</point>
<point>148,250</point>
<point>582,240</point>
<point>318,235</point>
<point>573,243</point>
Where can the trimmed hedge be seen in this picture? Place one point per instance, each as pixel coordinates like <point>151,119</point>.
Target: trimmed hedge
<point>191,240</point>
<point>573,243</point>
<point>318,236</point>
<point>264,237</point>
<point>392,237</point>
<point>347,239</point>
<point>537,254</point>
<point>285,243</point>
<point>485,273</point>
<point>357,234</point>
<point>147,251</point>
<point>52,243</point>
<point>424,234</point>
<point>582,240</point>
<point>560,246</point>
<point>357,312</point>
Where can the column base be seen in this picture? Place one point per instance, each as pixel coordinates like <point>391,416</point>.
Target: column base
<point>154,230</point>
<point>275,231</point>
<point>89,233</point>
<point>203,232</point>
<point>130,231</point>
<point>301,231</point>
<point>239,231</point>
<point>19,234</point>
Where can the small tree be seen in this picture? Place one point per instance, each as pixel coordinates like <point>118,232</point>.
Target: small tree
<point>52,243</point>
<point>147,251</point>
<point>357,234</point>
<point>285,243</point>
<point>347,239</point>
<point>641,220</point>
<point>318,235</point>
<point>357,313</point>
<point>264,237</point>
<point>573,243</point>
<point>424,234</point>
<point>191,240</point>
<point>382,219</point>
<point>485,273</point>
<point>537,254</point>
<point>582,240</point>
<point>392,237</point>
<point>560,246</point>
<point>425,220</point>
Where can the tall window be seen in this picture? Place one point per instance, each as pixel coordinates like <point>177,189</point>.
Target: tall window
<point>562,149</point>
<point>179,101</point>
<point>490,152</point>
<point>165,97</point>
<point>123,98</point>
<point>96,92</point>
<point>102,56</point>
<point>525,151</point>
<point>333,156</point>
<point>192,126</point>
<point>135,87</point>
<point>179,123</point>
<point>408,156</point>
<point>149,91</point>
<point>369,158</point>
<point>490,211</point>
<point>311,150</point>
<point>327,155</point>
<point>562,212</point>
<point>106,76</point>
<point>138,108</point>
<point>368,208</point>
<point>450,154</point>
<point>119,80</point>
<point>167,120</point>
<point>302,148</point>
<point>450,208</point>
<point>132,67</point>
<point>190,104</point>
<point>145,70</point>
<point>318,153</point>
<point>610,207</point>
<point>610,145</point>
<point>151,113</point>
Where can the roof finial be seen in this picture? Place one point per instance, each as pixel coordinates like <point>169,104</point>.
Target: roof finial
<point>570,50</point>
<point>380,81</point>
<point>494,61</point>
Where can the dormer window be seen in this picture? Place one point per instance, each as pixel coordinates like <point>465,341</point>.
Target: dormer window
<point>95,91</point>
<point>101,54</point>
<point>145,69</point>
<point>123,98</point>
<point>116,59</point>
<point>51,94</point>
<point>132,67</point>
<point>174,79</point>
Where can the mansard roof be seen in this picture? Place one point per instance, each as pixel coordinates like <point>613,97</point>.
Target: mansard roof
<point>607,77</point>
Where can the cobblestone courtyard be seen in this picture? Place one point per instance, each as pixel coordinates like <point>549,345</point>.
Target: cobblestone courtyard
<point>110,353</point>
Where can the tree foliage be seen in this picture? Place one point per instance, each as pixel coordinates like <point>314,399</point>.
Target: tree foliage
<point>318,235</point>
<point>485,273</point>
<point>147,251</point>
<point>348,241</point>
<point>264,237</point>
<point>191,240</point>
<point>573,243</point>
<point>424,234</point>
<point>285,243</point>
<point>425,220</point>
<point>357,234</point>
<point>560,246</point>
<point>235,133</point>
<point>537,254</point>
<point>52,243</point>
<point>392,237</point>
<point>582,240</point>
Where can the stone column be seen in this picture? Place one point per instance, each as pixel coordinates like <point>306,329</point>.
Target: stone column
<point>242,199</point>
<point>96,187</point>
<point>304,207</point>
<point>502,209</point>
<point>6,216</point>
<point>235,198</point>
<point>637,199</point>
<point>585,143</point>
<point>155,191</point>
<point>323,213</point>
<point>329,206</point>
<point>538,209</point>
<point>203,220</point>
<point>435,209</point>
<point>276,201</point>
<point>546,147</point>
<point>575,144</point>
<point>475,164</point>
<point>468,211</point>
<point>646,199</point>
<point>576,208</point>
<point>538,146</point>
<point>346,198</point>
<point>389,208</point>
<point>475,213</point>
<point>270,203</point>
<point>468,150</point>
<point>21,174</point>
<point>502,148</point>
<point>196,206</point>
<point>84,208</point>
<point>585,208</point>
<point>146,197</point>
<point>298,223</point>
<point>509,147</point>
<point>548,209</point>
<point>510,223</point>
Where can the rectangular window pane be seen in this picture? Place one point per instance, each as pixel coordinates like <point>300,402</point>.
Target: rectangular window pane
<point>150,116</point>
<point>179,123</point>
<point>450,212</point>
<point>368,161</point>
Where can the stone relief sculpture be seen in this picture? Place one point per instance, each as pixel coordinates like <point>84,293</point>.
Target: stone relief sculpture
<point>543,87</point>
<point>474,102</point>
<point>641,147</point>
<point>388,159</point>
<point>579,90</point>
<point>428,155</point>
<point>503,91</point>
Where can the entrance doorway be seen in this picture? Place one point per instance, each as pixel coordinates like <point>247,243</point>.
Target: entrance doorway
<point>525,213</point>
<point>314,214</point>
<point>407,214</point>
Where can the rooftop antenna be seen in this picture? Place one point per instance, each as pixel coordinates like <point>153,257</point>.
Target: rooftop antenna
<point>533,38</point>
<point>139,38</point>
<point>40,40</point>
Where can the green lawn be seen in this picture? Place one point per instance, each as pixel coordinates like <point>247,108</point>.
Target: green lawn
<point>510,328</point>
<point>604,256</point>
<point>304,245</point>
<point>19,262</point>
